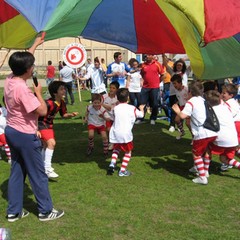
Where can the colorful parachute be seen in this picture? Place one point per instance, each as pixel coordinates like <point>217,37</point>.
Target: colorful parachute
<point>207,30</point>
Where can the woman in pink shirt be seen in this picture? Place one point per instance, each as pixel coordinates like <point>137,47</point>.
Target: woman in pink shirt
<point>21,133</point>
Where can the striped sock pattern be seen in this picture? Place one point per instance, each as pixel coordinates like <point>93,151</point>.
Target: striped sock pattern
<point>91,142</point>
<point>198,161</point>
<point>180,126</point>
<point>234,163</point>
<point>7,151</point>
<point>206,161</point>
<point>114,157</point>
<point>105,146</point>
<point>125,161</point>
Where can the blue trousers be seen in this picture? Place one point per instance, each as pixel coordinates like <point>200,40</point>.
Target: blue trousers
<point>26,160</point>
<point>151,96</point>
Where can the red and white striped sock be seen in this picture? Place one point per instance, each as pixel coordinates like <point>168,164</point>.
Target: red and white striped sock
<point>206,161</point>
<point>234,163</point>
<point>105,146</point>
<point>125,161</point>
<point>91,142</point>
<point>114,157</point>
<point>7,151</point>
<point>198,161</point>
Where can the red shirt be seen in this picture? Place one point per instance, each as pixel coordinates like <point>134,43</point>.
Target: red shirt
<point>150,73</point>
<point>50,71</point>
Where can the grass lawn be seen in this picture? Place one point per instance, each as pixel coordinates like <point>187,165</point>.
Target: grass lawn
<point>159,201</point>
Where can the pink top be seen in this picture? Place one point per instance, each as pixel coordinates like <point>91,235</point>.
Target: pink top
<point>20,103</point>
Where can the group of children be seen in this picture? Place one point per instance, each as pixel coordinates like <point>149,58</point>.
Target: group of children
<point>207,142</point>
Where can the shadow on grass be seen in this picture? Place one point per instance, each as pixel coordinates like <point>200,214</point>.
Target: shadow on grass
<point>28,203</point>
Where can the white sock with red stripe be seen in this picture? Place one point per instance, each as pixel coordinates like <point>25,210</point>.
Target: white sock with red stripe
<point>206,161</point>
<point>48,158</point>
<point>7,151</point>
<point>125,161</point>
<point>234,163</point>
<point>114,158</point>
<point>198,162</point>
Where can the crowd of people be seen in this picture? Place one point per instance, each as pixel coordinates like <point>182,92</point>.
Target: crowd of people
<point>120,96</point>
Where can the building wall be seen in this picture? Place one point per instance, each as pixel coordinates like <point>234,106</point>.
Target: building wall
<point>53,50</point>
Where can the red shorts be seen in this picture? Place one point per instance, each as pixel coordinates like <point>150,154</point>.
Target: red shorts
<point>97,129</point>
<point>2,139</point>
<point>199,147</point>
<point>125,147</point>
<point>237,125</point>
<point>109,124</point>
<point>47,134</point>
<point>229,152</point>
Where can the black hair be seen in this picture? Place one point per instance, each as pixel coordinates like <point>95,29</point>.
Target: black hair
<point>131,61</point>
<point>122,95</point>
<point>177,78</point>
<point>20,62</point>
<point>209,85</point>
<point>54,86</point>
<point>49,62</point>
<point>115,83</point>
<point>184,67</point>
<point>116,54</point>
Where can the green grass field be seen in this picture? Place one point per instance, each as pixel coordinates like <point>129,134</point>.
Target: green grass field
<point>159,201</point>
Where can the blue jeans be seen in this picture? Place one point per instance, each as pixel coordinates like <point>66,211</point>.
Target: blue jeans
<point>151,96</point>
<point>68,87</point>
<point>26,160</point>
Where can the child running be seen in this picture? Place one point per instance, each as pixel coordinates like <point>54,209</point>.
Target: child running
<point>121,131</point>
<point>227,139</point>
<point>229,92</point>
<point>182,97</point>
<point>109,102</point>
<point>96,115</point>
<point>202,137</point>
<point>55,104</point>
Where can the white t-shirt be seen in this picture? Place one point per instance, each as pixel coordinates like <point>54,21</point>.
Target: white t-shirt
<point>93,116</point>
<point>195,109</point>
<point>96,76</point>
<point>111,102</point>
<point>182,96</point>
<point>235,109</point>
<point>135,82</point>
<point>3,120</point>
<point>227,136</point>
<point>124,118</point>
<point>66,74</point>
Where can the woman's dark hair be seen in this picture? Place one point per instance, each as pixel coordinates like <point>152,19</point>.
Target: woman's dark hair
<point>20,62</point>
<point>184,66</point>
<point>54,86</point>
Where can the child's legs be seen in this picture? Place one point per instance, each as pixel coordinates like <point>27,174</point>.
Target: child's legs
<point>125,161</point>
<point>179,123</point>
<point>105,141</point>
<point>91,138</point>
<point>51,143</point>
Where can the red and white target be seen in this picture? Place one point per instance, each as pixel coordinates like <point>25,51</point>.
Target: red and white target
<point>74,55</point>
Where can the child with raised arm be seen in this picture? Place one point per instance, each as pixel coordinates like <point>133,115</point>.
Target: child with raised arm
<point>55,104</point>
<point>95,116</point>
<point>121,131</point>
<point>202,137</point>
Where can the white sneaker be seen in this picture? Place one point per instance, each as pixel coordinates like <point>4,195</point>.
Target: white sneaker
<point>139,121</point>
<point>200,180</point>
<point>171,129</point>
<point>193,169</point>
<point>181,134</point>
<point>152,122</point>
<point>50,173</point>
